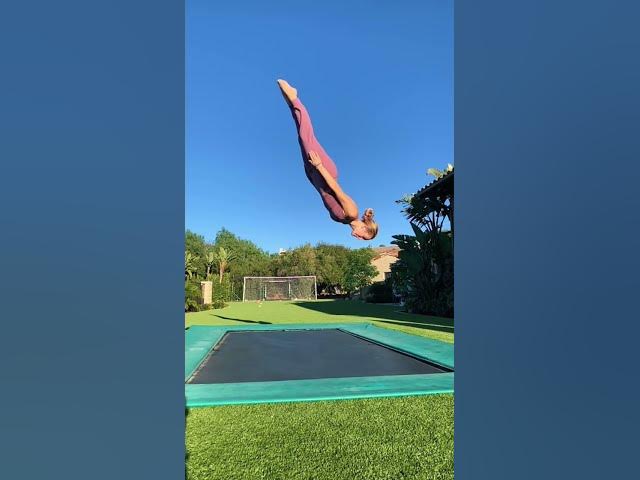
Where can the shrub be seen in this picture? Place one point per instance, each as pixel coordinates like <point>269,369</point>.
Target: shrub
<point>380,292</point>
<point>192,296</point>
<point>221,292</point>
<point>423,275</point>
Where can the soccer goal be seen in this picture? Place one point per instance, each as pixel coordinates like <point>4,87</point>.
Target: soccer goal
<point>279,288</point>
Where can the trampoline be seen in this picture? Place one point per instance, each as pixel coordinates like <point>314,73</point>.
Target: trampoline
<point>281,363</point>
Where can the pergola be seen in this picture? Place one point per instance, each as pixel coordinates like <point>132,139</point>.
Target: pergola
<point>432,201</point>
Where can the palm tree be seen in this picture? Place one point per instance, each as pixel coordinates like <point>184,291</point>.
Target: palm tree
<point>210,261</point>
<point>189,264</point>
<point>221,258</point>
<point>424,270</point>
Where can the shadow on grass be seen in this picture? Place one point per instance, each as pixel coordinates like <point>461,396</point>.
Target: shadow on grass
<point>381,313</point>
<point>426,326</point>
<point>243,321</point>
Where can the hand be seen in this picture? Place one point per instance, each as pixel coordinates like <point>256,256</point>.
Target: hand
<point>314,159</point>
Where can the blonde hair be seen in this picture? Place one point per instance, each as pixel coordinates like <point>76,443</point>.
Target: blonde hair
<point>373,229</point>
<point>372,226</point>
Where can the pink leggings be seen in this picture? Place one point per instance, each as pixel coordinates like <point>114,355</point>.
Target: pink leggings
<point>308,142</point>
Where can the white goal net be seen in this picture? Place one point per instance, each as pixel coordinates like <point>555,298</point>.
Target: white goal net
<point>279,288</point>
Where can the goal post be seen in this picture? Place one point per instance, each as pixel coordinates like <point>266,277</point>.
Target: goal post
<point>279,288</point>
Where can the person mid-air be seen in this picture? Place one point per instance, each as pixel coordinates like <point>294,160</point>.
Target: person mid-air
<point>323,174</point>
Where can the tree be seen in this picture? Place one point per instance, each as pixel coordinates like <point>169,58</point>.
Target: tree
<point>331,261</point>
<point>249,259</point>
<point>359,271</point>
<point>337,268</point>
<point>303,261</point>
<point>295,262</point>
<point>190,267</point>
<point>197,247</point>
<point>221,257</point>
<point>210,263</point>
<point>281,264</point>
<point>423,274</point>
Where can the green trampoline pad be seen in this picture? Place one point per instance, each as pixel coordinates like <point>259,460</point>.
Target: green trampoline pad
<point>284,363</point>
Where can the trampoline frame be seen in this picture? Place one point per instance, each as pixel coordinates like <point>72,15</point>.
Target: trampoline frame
<point>199,340</point>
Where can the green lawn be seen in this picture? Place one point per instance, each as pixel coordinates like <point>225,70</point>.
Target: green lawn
<point>395,438</point>
<point>323,311</point>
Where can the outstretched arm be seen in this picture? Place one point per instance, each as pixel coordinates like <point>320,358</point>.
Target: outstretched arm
<point>348,205</point>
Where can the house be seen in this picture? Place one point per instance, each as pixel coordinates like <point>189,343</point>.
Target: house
<point>385,257</point>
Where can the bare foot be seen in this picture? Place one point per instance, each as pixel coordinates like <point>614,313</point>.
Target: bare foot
<point>290,93</point>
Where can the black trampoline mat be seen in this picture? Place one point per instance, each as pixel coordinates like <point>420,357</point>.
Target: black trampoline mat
<point>264,356</point>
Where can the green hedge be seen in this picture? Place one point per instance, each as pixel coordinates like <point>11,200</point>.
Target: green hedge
<point>221,292</point>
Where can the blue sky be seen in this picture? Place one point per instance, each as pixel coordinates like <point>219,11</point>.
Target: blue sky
<point>377,79</point>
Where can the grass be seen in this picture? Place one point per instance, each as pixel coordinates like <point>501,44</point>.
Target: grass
<point>323,311</point>
<point>377,439</point>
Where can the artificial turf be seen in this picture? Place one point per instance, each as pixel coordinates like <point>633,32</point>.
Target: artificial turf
<point>325,311</point>
<point>394,439</point>
<point>376,439</point>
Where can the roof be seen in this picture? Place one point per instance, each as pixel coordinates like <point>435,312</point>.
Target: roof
<point>430,198</point>
<point>440,185</point>
<point>384,251</point>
